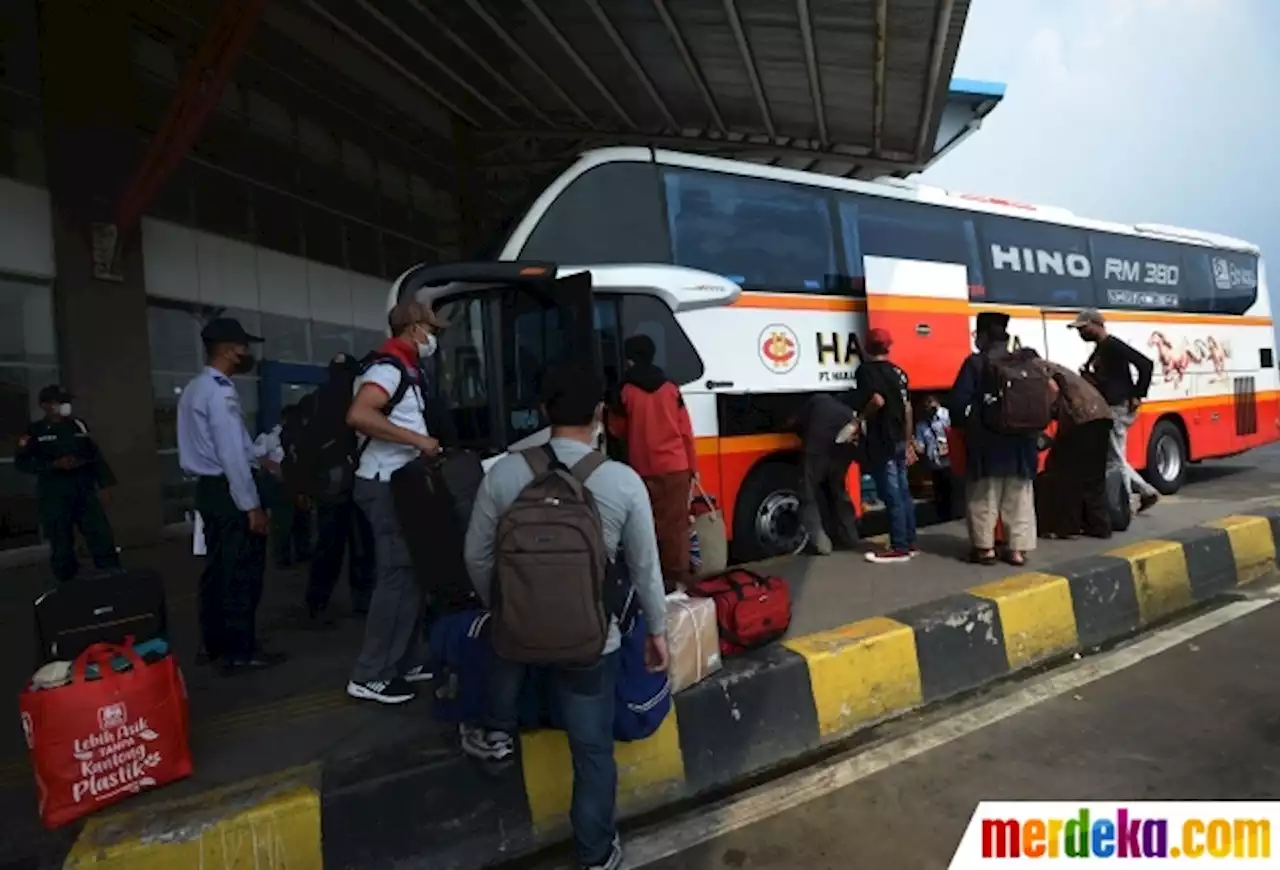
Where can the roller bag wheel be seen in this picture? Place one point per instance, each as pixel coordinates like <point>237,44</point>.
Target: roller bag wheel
<point>1118,503</point>
<point>433,498</point>
<point>99,607</point>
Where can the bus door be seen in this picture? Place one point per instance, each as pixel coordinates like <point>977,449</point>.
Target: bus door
<point>541,326</point>
<point>509,322</point>
<point>925,308</point>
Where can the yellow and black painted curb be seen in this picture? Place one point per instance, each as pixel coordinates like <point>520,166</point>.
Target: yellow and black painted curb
<point>764,709</point>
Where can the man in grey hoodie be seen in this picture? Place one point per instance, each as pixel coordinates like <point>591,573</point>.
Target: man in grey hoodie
<point>584,695</point>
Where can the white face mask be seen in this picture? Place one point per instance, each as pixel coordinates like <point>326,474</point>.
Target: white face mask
<point>428,347</point>
<point>64,410</point>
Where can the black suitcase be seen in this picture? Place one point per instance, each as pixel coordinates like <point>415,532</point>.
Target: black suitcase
<point>99,607</point>
<point>1118,501</point>
<point>433,498</point>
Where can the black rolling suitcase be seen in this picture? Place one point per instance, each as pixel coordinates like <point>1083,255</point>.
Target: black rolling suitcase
<point>99,607</point>
<point>433,498</point>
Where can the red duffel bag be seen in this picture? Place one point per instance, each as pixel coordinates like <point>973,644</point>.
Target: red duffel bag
<point>94,742</point>
<point>751,609</point>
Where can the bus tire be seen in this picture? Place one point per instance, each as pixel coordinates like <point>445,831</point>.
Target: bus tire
<point>1166,457</point>
<point>766,518</point>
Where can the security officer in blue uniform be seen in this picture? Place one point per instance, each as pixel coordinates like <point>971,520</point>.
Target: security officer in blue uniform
<point>215,447</point>
<point>69,471</point>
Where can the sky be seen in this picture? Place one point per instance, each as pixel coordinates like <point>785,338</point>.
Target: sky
<point>1156,111</point>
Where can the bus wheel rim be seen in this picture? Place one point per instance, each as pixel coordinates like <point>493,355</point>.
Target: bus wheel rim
<point>1168,458</point>
<point>778,511</point>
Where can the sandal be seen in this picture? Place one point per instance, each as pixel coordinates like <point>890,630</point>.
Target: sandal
<point>979,557</point>
<point>1017,560</point>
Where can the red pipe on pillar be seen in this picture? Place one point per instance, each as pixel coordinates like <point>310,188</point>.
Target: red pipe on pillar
<point>197,96</point>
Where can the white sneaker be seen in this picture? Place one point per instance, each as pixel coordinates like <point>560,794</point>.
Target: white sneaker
<point>395,691</point>
<point>614,861</point>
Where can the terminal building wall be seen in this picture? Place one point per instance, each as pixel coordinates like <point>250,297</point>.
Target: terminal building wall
<point>301,258</point>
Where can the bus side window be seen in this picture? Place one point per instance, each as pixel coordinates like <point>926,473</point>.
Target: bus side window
<point>648,315</point>
<point>605,314</point>
<point>878,227</point>
<point>763,235</point>
<point>1235,281</point>
<point>1033,263</point>
<point>1138,274</point>
<point>612,213</point>
<point>1197,280</point>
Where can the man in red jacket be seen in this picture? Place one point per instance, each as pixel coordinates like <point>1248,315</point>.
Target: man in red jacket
<point>649,414</point>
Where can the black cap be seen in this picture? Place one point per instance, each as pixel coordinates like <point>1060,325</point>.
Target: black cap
<point>226,330</point>
<point>54,393</point>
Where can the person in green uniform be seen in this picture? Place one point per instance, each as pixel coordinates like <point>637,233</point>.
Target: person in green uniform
<point>69,470</point>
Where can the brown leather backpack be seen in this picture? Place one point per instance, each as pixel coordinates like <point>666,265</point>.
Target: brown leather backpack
<point>549,598</point>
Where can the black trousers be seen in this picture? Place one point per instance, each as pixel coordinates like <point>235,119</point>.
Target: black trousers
<point>943,494</point>
<point>231,585</point>
<point>822,490</point>
<point>66,505</point>
<point>342,527</point>
<point>1071,495</point>
<point>290,524</point>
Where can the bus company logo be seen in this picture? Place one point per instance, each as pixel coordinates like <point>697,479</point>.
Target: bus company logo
<point>779,348</point>
<point>1229,276</point>
<point>1221,273</point>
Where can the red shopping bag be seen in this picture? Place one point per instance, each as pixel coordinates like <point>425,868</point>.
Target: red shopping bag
<point>95,742</point>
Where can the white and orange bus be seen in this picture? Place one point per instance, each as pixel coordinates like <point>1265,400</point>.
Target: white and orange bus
<point>756,282</point>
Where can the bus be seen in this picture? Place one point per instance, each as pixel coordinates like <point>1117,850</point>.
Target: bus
<point>757,282</point>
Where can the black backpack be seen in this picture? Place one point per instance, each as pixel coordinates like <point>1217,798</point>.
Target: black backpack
<point>327,451</point>
<point>1018,393</point>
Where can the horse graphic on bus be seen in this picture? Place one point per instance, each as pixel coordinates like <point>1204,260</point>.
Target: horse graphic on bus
<point>1176,360</point>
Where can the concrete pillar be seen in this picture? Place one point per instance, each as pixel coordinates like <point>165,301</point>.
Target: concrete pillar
<point>92,148</point>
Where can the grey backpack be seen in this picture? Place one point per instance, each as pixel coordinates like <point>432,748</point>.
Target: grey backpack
<point>549,596</point>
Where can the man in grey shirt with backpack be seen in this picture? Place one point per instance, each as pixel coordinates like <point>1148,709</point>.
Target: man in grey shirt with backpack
<point>530,541</point>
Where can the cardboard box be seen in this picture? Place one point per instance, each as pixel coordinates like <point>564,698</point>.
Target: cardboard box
<point>692,640</point>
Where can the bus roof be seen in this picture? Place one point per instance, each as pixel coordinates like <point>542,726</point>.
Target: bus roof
<point>891,188</point>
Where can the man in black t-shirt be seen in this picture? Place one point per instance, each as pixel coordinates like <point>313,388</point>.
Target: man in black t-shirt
<point>884,411</point>
<point>1111,369</point>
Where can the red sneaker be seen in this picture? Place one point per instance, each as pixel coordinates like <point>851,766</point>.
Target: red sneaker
<point>887,557</point>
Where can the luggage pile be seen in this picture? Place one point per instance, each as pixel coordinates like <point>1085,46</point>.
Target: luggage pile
<point>105,714</point>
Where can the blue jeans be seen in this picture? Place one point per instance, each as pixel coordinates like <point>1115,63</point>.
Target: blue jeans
<point>892,487</point>
<point>585,698</point>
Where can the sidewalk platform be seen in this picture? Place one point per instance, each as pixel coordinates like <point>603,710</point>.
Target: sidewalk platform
<point>290,772</point>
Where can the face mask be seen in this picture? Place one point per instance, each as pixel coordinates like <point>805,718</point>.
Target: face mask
<point>428,347</point>
<point>244,364</point>
<point>64,410</point>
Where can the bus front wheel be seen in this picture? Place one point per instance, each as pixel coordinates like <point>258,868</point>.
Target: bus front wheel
<point>766,519</point>
<point>1166,457</point>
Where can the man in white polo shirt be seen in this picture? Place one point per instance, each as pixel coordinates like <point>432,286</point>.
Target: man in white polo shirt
<point>389,413</point>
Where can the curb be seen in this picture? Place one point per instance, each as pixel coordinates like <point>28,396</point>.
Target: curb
<point>770,707</point>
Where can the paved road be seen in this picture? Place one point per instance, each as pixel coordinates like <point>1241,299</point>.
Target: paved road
<point>1200,720</point>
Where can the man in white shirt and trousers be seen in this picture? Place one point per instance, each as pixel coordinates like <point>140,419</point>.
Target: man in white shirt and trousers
<point>389,412</point>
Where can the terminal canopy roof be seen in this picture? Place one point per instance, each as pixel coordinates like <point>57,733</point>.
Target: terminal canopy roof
<point>508,91</point>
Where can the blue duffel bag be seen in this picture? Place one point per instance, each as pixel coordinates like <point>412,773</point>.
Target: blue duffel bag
<point>461,655</point>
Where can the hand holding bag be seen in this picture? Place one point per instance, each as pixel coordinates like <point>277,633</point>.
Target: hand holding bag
<point>708,525</point>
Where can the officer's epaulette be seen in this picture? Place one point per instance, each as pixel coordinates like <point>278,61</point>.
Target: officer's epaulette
<point>222,380</point>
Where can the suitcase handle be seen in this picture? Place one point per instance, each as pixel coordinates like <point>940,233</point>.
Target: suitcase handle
<point>101,654</point>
